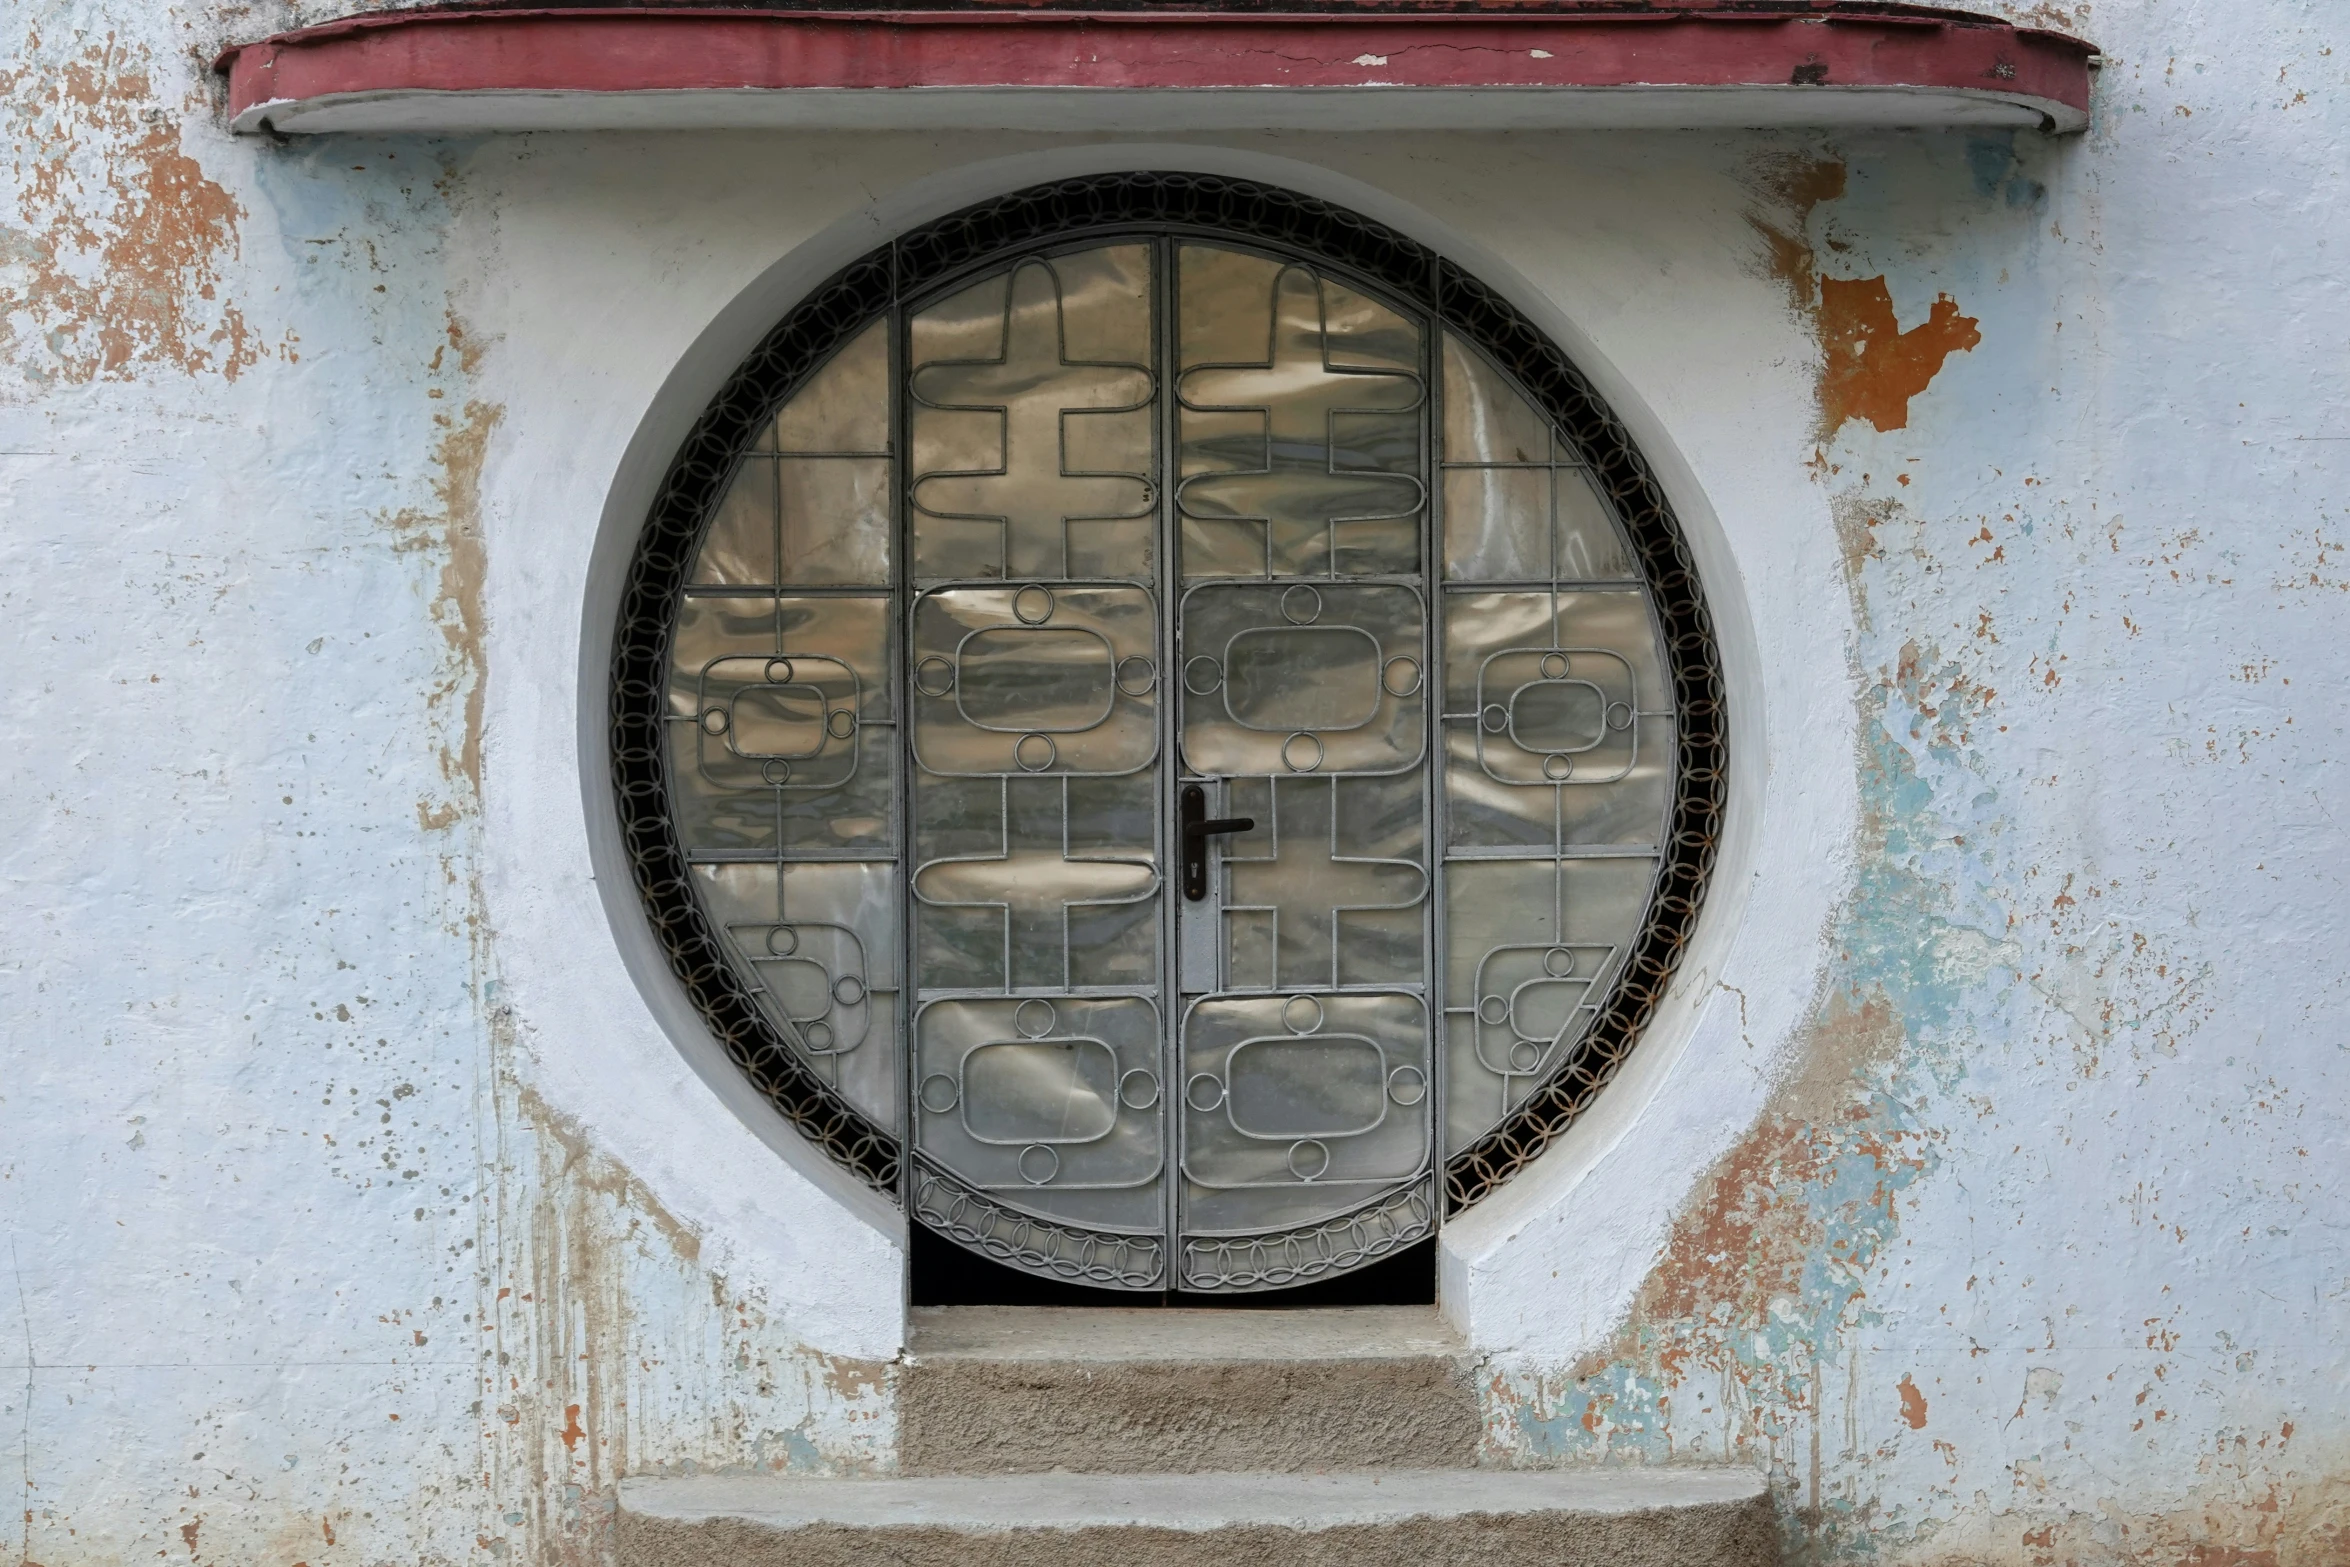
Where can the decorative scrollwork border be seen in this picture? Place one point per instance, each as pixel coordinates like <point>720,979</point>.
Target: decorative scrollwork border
<point>1208,205</point>
<point>1243,1263</point>
<point>1057,1251</point>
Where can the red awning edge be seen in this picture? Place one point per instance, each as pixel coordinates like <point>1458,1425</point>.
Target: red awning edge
<point>1838,64</point>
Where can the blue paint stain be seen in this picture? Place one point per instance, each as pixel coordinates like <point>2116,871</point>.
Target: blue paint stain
<point>1990,159</point>
<point>1996,166</point>
<point>797,1455</point>
<point>1837,1184</point>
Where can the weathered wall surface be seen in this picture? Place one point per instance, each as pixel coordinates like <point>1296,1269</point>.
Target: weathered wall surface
<point>2034,1251</point>
<point>300,1264</point>
<point>1984,1182</point>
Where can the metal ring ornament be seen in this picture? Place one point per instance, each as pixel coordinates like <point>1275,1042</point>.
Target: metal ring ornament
<point>1033,611</point>
<point>935,676</point>
<point>1132,1100</point>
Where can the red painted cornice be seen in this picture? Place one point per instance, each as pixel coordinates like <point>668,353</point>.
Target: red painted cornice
<point>1791,59</point>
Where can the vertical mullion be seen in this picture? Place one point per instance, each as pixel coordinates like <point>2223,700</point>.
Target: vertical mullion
<point>1432,689</point>
<point>1170,595</point>
<point>901,578</point>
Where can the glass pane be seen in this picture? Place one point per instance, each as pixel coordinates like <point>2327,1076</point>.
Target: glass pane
<point>1051,1104</point>
<point>1534,945</point>
<point>1558,746</point>
<point>782,735</point>
<point>1298,1107</point>
<point>1296,678</point>
<point>1301,405</point>
<point>1486,419</point>
<point>815,945</point>
<point>1558,731</point>
<point>835,520</point>
<point>845,408</point>
<point>1517,505</point>
<point>739,549</point>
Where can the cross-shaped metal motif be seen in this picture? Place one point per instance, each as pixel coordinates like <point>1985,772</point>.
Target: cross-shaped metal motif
<point>1305,488</point>
<point>1035,494</point>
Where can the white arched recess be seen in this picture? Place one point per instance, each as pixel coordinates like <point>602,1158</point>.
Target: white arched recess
<point>1697,355</point>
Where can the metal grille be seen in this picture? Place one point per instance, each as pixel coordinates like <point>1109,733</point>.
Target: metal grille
<point>797,1044</point>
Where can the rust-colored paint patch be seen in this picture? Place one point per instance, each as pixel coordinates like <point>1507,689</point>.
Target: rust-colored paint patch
<point>120,253</point>
<point>851,1378</point>
<point>1913,1403</point>
<point>571,1432</point>
<point>1873,368</point>
<point>1870,369</point>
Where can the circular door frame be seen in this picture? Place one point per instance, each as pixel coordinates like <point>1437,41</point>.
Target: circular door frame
<point>919,262</point>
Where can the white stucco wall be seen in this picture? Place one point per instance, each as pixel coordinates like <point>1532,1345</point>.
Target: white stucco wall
<point>1982,1178</point>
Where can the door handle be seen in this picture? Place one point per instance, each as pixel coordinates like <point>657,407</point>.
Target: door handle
<point>1197,825</point>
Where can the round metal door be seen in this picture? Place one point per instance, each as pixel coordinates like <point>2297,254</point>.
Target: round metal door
<point>1166,752</point>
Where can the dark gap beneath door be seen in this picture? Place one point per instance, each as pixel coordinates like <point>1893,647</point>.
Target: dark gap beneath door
<point>947,1275</point>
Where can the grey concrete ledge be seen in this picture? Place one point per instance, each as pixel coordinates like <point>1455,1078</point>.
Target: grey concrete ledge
<point>1191,1503</point>
<point>1389,1518</point>
<point>1079,1335</point>
<point>1023,1391</point>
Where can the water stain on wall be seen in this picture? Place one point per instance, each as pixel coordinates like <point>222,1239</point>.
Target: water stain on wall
<point>450,534</point>
<point>609,1345</point>
<point>116,261</point>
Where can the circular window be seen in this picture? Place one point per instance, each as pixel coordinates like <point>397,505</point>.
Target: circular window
<point>1167,728</point>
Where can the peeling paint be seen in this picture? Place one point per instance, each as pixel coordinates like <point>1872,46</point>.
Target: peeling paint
<point>1870,368</point>
<point>1873,367</point>
<point>124,250</point>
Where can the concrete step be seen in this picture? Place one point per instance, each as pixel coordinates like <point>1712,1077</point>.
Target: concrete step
<point>1023,1389</point>
<point>1407,1518</point>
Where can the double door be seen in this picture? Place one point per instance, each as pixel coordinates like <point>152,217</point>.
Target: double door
<point>1167,744</point>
